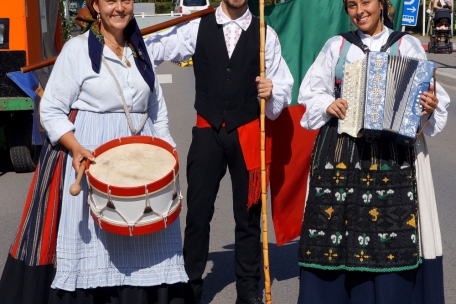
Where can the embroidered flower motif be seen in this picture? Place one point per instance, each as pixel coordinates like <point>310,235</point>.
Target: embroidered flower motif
<point>413,237</point>
<point>336,238</point>
<point>245,23</point>
<point>313,234</point>
<point>367,197</point>
<point>362,256</point>
<point>331,255</point>
<point>410,195</point>
<point>363,240</point>
<point>218,16</point>
<point>368,179</point>
<point>382,195</point>
<point>384,237</point>
<point>319,193</point>
<point>340,196</point>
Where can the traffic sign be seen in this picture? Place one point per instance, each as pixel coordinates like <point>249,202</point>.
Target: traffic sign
<point>410,14</point>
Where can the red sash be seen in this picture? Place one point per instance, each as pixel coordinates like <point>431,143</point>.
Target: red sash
<point>250,140</point>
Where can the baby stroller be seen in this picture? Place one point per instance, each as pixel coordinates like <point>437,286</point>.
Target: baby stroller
<point>441,33</point>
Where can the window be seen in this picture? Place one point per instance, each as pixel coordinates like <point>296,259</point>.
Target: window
<point>195,2</point>
<point>4,33</point>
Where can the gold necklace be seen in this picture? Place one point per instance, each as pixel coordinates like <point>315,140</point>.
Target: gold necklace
<point>118,49</point>
<point>119,52</point>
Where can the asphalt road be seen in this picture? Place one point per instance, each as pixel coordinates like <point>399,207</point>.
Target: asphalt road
<point>219,285</point>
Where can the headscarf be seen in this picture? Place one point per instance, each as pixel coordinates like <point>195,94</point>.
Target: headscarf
<point>86,19</point>
<point>387,6</point>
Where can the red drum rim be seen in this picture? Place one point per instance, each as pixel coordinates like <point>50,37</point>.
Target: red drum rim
<point>140,228</point>
<point>139,190</point>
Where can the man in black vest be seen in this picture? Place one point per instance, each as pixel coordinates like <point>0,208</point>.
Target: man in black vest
<point>225,46</point>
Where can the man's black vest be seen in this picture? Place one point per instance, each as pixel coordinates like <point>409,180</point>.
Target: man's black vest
<point>225,88</point>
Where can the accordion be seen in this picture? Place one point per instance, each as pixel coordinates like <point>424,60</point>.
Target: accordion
<point>383,95</point>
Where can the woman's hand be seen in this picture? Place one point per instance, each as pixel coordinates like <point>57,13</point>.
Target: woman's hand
<point>264,86</point>
<point>429,101</point>
<point>338,108</point>
<point>79,152</point>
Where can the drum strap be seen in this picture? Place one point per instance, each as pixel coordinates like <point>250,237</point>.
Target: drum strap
<point>124,103</point>
<point>127,111</point>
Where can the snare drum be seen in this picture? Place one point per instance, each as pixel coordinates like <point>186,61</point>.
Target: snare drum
<point>133,185</point>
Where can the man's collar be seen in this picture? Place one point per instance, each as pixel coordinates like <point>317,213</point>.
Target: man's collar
<point>243,21</point>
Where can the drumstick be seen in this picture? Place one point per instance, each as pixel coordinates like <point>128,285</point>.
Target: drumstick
<point>75,189</point>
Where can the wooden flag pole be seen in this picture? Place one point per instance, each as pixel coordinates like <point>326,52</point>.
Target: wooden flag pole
<point>145,31</point>
<point>267,277</point>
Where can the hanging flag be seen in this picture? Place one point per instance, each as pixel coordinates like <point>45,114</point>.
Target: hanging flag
<point>303,27</point>
<point>30,84</point>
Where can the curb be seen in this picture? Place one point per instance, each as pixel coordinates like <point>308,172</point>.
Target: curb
<point>444,75</point>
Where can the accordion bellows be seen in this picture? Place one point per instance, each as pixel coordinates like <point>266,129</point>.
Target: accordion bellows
<point>383,95</point>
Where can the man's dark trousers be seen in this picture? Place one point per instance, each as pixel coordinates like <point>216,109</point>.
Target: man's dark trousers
<point>210,153</point>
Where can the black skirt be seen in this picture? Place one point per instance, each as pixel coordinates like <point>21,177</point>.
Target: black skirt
<point>361,211</point>
<point>23,284</point>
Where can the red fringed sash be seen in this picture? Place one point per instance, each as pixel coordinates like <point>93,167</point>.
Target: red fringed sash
<point>250,140</point>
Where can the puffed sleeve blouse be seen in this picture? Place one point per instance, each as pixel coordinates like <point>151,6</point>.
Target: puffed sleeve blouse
<point>316,92</point>
<point>74,85</point>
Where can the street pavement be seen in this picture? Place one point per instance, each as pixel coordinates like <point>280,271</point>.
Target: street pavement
<point>445,63</point>
<point>219,275</point>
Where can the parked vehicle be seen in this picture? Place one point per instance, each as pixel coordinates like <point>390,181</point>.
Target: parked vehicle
<point>186,7</point>
<point>21,44</point>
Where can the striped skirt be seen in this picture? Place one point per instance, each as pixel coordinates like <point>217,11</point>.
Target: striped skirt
<point>87,257</point>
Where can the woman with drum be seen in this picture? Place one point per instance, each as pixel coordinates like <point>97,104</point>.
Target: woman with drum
<point>106,76</point>
<point>363,238</point>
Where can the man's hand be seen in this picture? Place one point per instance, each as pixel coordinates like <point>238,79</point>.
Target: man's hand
<point>264,87</point>
<point>338,108</point>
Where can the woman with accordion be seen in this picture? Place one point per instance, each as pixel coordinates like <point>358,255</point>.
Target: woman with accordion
<point>370,232</point>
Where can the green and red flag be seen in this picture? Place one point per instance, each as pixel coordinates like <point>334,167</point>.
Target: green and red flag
<point>303,27</point>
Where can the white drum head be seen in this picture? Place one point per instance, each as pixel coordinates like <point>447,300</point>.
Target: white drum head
<point>132,165</point>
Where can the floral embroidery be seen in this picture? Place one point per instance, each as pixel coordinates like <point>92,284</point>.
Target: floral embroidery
<point>368,179</point>
<point>363,240</point>
<point>336,238</point>
<point>362,256</point>
<point>367,197</point>
<point>313,234</point>
<point>331,255</point>
<point>382,195</point>
<point>384,237</point>
<point>321,193</point>
<point>96,31</point>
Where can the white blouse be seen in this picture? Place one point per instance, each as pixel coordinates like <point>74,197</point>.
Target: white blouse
<point>74,85</point>
<point>179,43</point>
<point>316,90</point>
